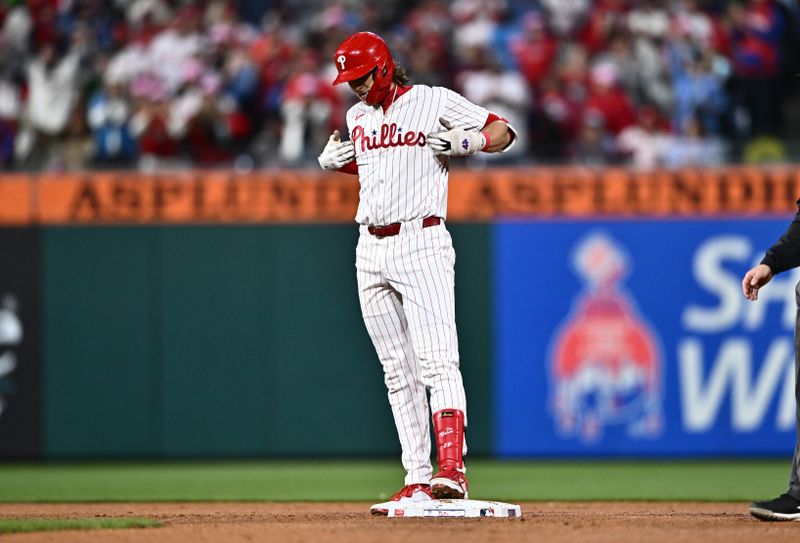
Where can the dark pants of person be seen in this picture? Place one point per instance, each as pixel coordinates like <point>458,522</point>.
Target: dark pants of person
<point>794,478</point>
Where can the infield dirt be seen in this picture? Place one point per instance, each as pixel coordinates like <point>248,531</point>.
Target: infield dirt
<point>562,522</point>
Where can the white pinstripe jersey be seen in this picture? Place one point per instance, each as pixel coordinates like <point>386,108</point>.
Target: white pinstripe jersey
<point>401,178</point>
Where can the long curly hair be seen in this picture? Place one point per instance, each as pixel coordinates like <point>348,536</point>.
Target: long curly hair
<point>400,75</point>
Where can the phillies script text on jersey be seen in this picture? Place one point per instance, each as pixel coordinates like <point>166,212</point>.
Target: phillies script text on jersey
<point>400,179</point>
<point>389,137</point>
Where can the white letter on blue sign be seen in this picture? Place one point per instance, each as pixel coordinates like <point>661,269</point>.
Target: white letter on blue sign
<point>712,276</point>
<point>732,371</point>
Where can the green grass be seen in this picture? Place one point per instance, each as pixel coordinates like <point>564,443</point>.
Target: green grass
<point>373,480</point>
<point>12,526</point>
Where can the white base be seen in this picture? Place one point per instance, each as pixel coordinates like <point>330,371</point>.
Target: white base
<point>455,509</point>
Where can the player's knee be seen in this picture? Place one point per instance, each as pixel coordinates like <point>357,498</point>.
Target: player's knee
<point>444,369</point>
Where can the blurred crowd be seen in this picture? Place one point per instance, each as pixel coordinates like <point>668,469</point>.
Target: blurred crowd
<point>155,84</point>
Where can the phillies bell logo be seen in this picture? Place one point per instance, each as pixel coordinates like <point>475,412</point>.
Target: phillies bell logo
<point>605,363</point>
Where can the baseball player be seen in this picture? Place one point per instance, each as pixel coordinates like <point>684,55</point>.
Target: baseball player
<point>783,255</point>
<point>401,139</point>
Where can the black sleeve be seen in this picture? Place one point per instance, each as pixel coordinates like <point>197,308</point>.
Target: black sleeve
<point>785,254</point>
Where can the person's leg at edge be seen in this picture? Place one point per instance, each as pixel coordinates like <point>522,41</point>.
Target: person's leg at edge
<point>787,505</point>
<point>794,477</point>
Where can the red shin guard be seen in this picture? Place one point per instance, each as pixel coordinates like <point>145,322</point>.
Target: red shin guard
<point>449,427</point>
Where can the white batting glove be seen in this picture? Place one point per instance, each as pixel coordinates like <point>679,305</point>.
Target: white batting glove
<point>455,141</point>
<point>337,153</point>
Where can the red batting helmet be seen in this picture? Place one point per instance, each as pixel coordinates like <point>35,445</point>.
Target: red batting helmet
<point>359,55</point>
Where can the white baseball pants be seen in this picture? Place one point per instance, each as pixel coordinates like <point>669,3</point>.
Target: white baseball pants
<point>406,289</point>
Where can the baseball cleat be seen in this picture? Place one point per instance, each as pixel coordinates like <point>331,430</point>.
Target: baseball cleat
<point>784,507</point>
<point>449,484</point>
<point>407,494</point>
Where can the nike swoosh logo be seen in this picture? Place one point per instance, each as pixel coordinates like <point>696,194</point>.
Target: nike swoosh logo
<point>360,115</point>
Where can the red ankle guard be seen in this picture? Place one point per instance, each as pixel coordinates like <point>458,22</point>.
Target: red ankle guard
<point>449,427</point>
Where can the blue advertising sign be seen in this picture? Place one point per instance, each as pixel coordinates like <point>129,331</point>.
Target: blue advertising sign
<point>633,338</point>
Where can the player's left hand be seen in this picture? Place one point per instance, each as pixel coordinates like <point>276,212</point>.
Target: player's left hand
<point>455,141</point>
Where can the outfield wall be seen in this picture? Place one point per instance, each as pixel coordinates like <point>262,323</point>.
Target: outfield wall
<point>598,315</point>
<point>213,341</point>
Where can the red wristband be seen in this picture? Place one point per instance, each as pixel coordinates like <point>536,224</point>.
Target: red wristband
<point>488,141</point>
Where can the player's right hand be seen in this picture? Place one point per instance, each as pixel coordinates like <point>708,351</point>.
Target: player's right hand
<point>455,141</point>
<point>754,279</point>
<point>337,153</point>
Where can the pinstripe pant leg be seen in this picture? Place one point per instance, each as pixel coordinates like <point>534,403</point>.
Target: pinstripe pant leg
<point>386,323</point>
<point>425,276</point>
